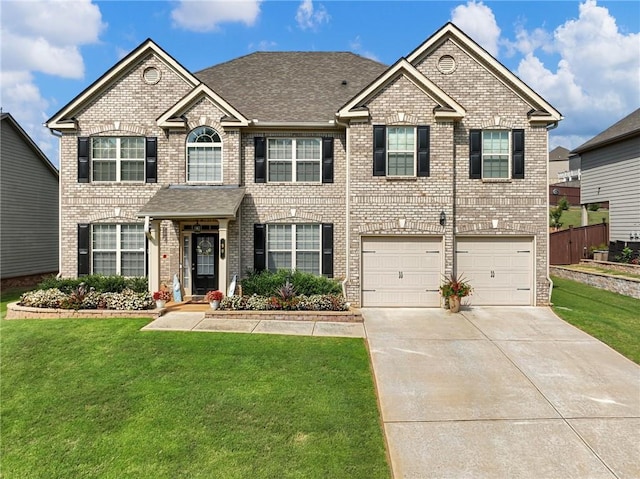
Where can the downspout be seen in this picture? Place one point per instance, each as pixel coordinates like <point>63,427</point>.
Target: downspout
<point>347,204</point>
<point>58,135</point>
<point>553,126</point>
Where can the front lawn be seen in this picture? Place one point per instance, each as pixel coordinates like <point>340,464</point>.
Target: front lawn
<point>612,318</point>
<point>101,399</point>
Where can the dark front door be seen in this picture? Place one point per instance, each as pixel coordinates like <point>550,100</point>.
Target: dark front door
<point>204,266</point>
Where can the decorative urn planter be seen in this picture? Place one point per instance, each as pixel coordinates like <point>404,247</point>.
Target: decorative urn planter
<point>160,303</point>
<point>214,304</point>
<point>454,304</point>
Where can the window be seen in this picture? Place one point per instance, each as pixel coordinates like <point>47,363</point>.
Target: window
<point>118,159</point>
<point>118,249</point>
<point>496,154</point>
<point>401,151</point>
<point>292,159</point>
<point>204,156</point>
<point>294,247</point>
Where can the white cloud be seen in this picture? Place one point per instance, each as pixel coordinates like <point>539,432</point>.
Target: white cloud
<point>310,17</point>
<point>596,81</point>
<point>356,46</point>
<point>42,36</point>
<point>200,16</point>
<point>477,21</point>
<point>262,46</point>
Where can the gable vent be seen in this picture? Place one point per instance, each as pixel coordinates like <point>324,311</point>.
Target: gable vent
<point>151,75</point>
<point>446,64</point>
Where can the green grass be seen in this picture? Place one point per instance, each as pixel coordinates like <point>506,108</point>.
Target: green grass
<point>573,217</point>
<point>101,399</point>
<point>612,318</point>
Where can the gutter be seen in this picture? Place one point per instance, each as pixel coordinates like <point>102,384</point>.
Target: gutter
<point>347,206</point>
<point>58,135</point>
<point>553,126</point>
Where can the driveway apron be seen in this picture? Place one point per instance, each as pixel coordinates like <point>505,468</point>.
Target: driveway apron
<point>502,392</point>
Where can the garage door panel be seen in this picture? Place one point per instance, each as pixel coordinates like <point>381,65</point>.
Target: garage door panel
<point>499,269</point>
<point>400,271</point>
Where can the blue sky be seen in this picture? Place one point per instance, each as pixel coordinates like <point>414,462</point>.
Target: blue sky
<point>583,57</point>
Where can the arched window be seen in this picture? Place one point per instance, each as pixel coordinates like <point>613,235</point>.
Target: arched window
<point>204,156</point>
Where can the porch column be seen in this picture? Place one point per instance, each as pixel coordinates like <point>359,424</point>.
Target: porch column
<point>223,280</point>
<point>153,235</point>
<point>585,215</point>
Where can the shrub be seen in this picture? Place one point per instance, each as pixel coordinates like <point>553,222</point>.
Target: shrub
<point>267,283</point>
<point>594,206</point>
<point>98,282</point>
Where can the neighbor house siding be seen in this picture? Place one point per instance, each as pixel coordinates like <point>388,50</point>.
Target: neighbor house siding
<point>612,173</point>
<point>29,216</point>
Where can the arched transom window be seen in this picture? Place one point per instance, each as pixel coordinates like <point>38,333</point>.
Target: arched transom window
<point>204,156</point>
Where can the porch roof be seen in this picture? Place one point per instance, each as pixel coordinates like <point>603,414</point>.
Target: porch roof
<point>194,201</point>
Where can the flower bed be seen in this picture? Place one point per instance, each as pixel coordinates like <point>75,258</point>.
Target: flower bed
<point>83,299</point>
<point>15,311</point>
<point>316,302</point>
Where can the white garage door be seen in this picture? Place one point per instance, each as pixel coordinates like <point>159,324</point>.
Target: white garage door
<point>499,270</point>
<point>401,271</point>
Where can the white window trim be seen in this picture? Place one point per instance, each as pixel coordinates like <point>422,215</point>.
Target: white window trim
<point>294,161</point>
<point>414,152</point>
<point>119,250</point>
<point>293,250</point>
<point>496,179</point>
<point>118,160</point>
<point>186,158</point>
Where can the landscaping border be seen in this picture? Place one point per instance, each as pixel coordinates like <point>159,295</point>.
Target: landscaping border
<point>615,284</point>
<point>15,311</point>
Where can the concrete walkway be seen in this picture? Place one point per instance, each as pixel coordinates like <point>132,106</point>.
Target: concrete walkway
<point>195,321</point>
<point>502,393</point>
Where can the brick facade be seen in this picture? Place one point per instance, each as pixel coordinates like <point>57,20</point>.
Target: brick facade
<point>357,203</point>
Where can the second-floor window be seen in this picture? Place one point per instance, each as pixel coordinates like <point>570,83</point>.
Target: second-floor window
<point>401,151</point>
<point>118,158</point>
<point>495,154</point>
<point>401,148</point>
<point>294,159</point>
<point>204,156</point>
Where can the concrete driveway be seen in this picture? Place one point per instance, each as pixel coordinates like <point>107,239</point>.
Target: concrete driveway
<point>502,392</point>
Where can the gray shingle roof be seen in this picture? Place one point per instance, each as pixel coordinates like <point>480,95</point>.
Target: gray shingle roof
<point>193,201</point>
<point>559,153</point>
<point>291,86</point>
<point>628,126</point>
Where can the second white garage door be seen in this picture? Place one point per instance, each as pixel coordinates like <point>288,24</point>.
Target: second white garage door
<point>499,270</point>
<point>401,271</point>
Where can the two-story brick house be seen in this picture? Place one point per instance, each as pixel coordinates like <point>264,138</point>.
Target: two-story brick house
<point>385,177</point>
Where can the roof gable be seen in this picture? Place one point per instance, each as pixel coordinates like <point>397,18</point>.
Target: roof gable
<point>64,118</point>
<point>447,107</point>
<point>173,118</point>
<point>541,110</point>
<point>30,143</point>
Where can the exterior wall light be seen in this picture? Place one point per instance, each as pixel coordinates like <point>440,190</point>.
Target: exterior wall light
<point>443,218</point>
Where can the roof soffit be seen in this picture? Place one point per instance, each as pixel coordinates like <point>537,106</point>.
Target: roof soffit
<point>545,112</point>
<point>63,119</point>
<point>172,118</point>
<point>447,106</point>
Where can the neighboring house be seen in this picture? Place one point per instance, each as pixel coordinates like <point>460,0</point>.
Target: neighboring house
<point>385,177</point>
<point>558,165</point>
<point>29,208</point>
<point>610,163</point>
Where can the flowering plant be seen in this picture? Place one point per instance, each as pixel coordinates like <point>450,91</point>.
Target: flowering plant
<point>213,296</point>
<point>162,295</point>
<point>455,286</point>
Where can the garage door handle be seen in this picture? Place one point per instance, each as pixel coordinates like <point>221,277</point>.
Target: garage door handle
<point>524,251</point>
<point>461,251</point>
<point>431,290</point>
<point>367,251</point>
<point>523,289</point>
<point>400,275</point>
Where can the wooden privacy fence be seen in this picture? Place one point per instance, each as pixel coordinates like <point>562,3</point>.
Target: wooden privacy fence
<point>572,245</point>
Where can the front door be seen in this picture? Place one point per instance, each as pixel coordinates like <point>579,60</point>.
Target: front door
<point>204,264</point>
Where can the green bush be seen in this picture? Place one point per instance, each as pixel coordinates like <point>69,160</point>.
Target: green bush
<point>97,282</point>
<point>267,283</point>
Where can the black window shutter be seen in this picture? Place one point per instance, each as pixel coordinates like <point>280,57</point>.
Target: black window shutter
<point>83,160</point>
<point>151,160</point>
<point>259,144</point>
<point>475,154</point>
<point>423,150</point>
<point>83,249</point>
<point>259,247</point>
<point>379,150</point>
<point>327,250</point>
<point>517,141</point>
<point>327,160</point>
